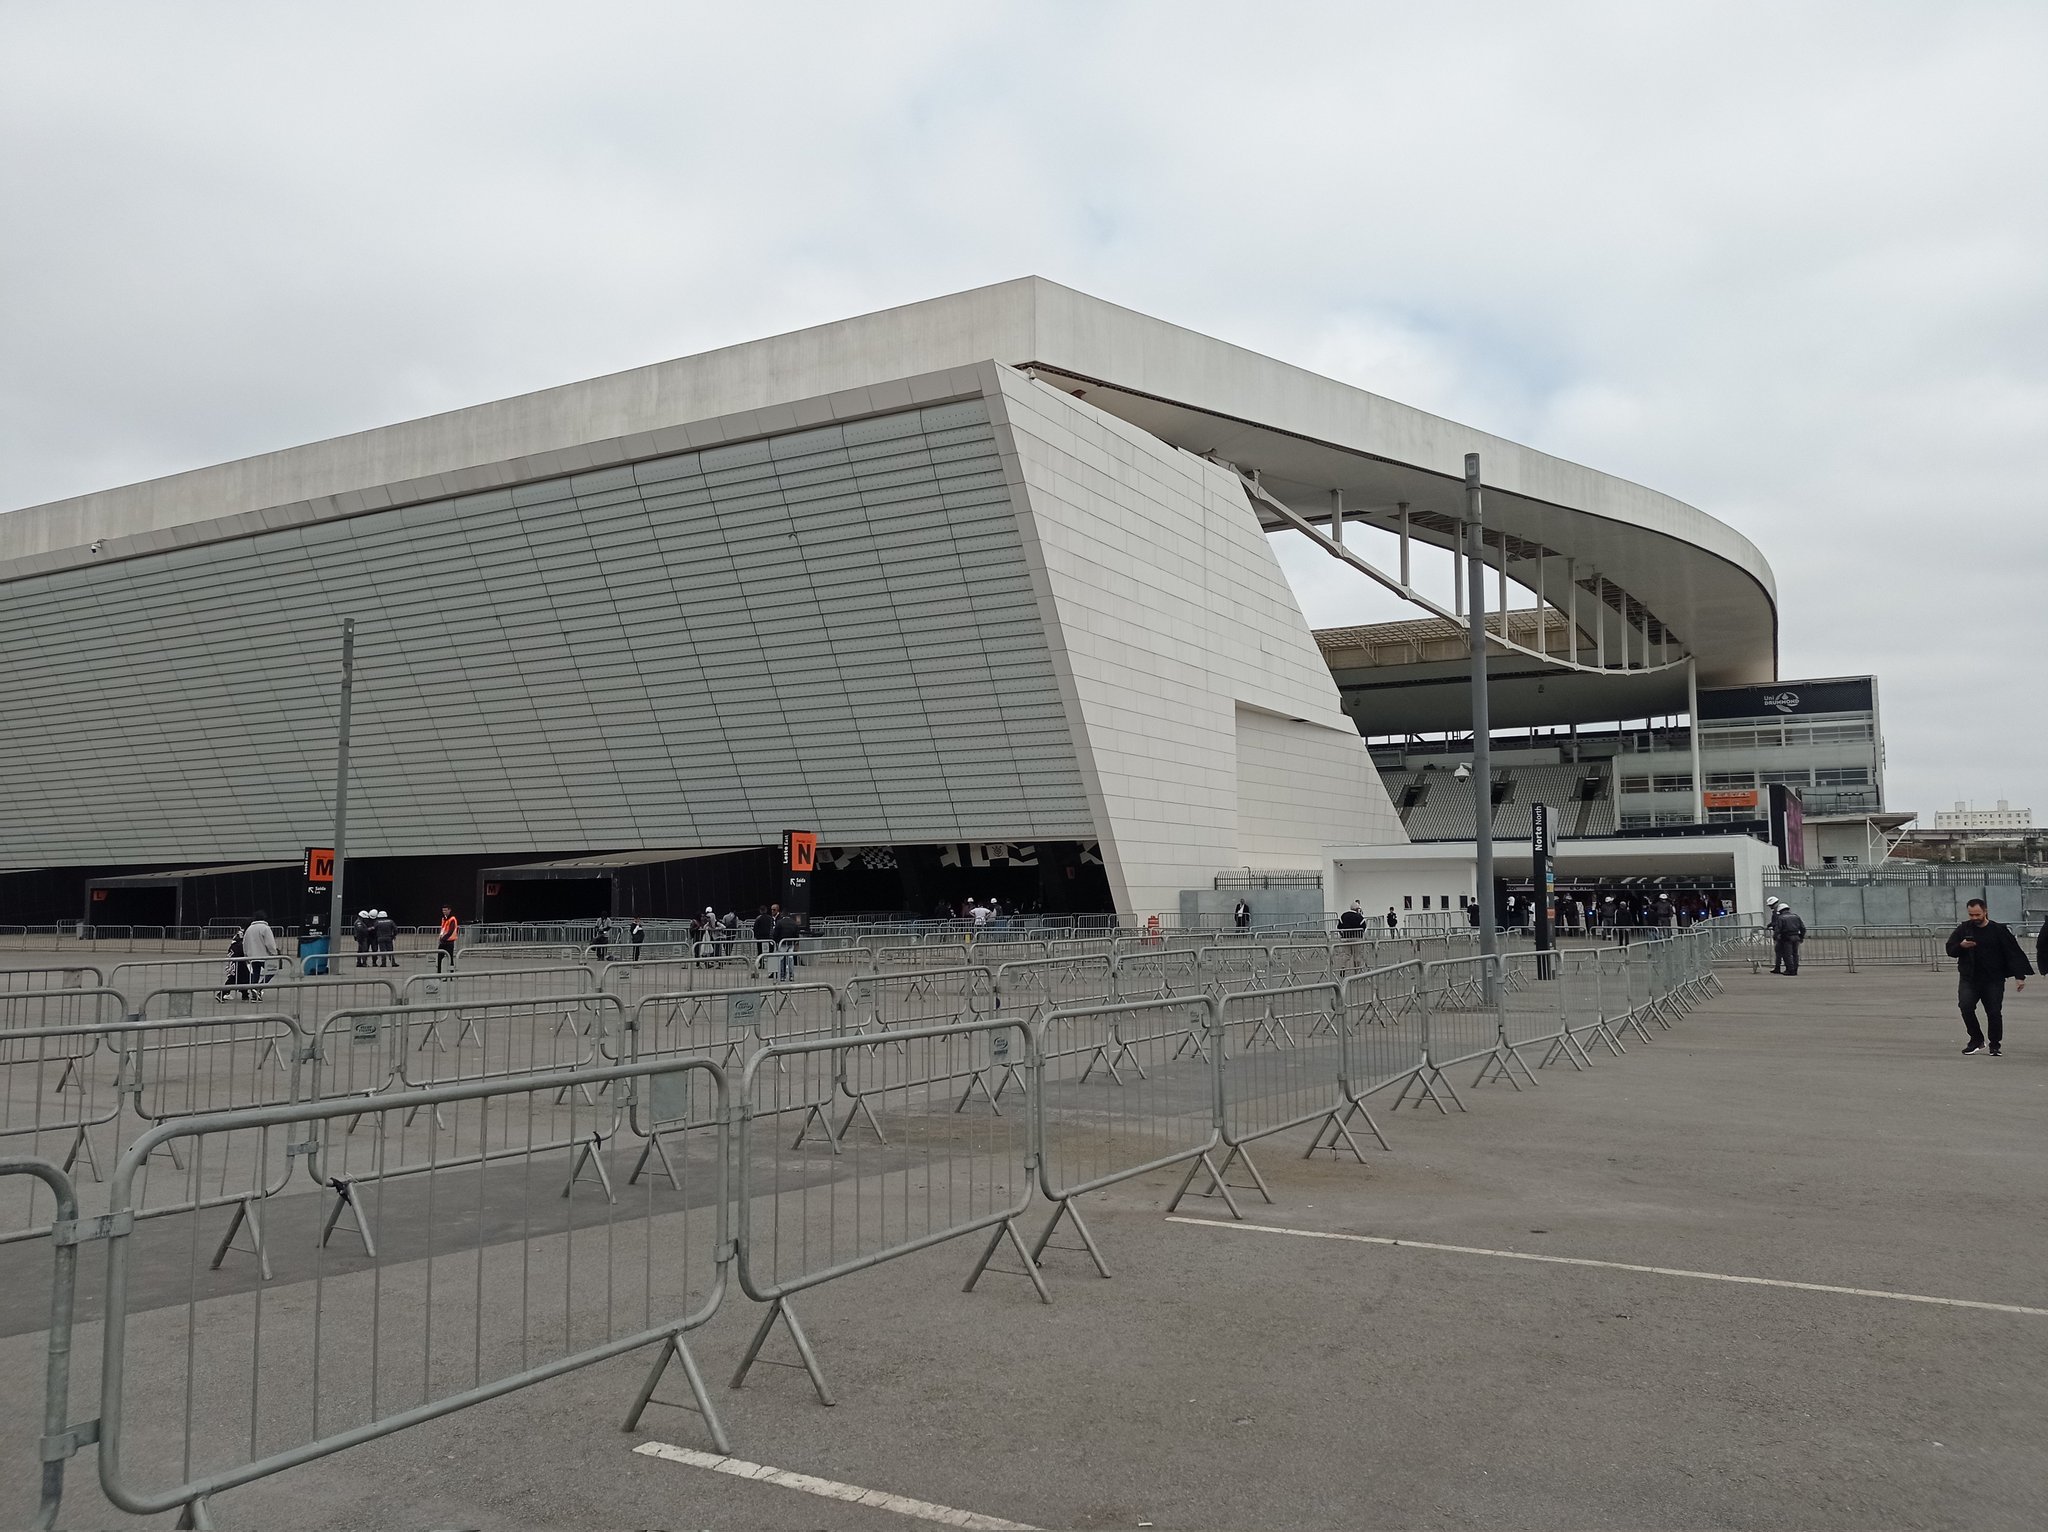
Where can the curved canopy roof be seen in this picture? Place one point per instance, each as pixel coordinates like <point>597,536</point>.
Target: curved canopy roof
<point>1683,573</point>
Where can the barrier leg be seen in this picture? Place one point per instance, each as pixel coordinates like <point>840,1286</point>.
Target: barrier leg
<point>81,1146</point>
<point>194,1517</point>
<point>1218,1187</point>
<point>1498,1066</point>
<point>1100,1056</point>
<point>345,1201</point>
<point>655,1149</point>
<point>677,1349</point>
<point>1339,1129</point>
<point>780,1309</point>
<point>815,1113</point>
<point>591,1154</point>
<point>1427,1080</point>
<point>248,1214</point>
<point>1007,1229</point>
<point>976,1081</point>
<point>1067,1210</point>
<point>1566,1046</point>
<point>860,1108</point>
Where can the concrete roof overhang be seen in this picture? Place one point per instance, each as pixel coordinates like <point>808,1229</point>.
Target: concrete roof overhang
<point>1305,434</point>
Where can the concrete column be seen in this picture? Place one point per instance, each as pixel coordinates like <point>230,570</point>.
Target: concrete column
<point>1403,506</point>
<point>1692,709</point>
<point>1337,516</point>
<point>1571,616</point>
<point>1600,621</point>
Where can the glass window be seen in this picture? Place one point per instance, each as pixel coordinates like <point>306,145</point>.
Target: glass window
<point>1407,901</point>
<point>1675,784</point>
<point>1425,901</point>
<point>1635,784</point>
<point>1789,778</point>
<point>1841,776</point>
<point>1731,779</point>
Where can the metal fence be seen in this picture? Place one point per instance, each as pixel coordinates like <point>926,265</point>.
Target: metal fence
<point>398,1163</point>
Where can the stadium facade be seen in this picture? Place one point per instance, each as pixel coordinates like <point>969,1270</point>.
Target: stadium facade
<point>978,589</point>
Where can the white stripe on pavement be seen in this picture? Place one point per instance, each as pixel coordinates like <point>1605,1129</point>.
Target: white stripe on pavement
<point>831,1489</point>
<point>1655,1271</point>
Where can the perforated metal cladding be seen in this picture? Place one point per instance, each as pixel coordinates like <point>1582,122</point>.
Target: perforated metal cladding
<point>833,627</point>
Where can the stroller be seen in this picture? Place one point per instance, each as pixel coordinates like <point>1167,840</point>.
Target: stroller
<point>236,977</point>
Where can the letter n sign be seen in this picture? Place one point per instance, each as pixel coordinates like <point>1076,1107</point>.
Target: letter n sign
<point>799,861</point>
<point>319,864</point>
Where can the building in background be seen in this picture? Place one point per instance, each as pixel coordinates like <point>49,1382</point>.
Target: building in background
<point>980,590</point>
<point>1964,820</point>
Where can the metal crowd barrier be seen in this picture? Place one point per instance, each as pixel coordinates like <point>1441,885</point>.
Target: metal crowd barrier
<point>940,1175</point>
<point>1133,1088</point>
<point>418,1128</point>
<point>462,1304</point>
<point>53,976</point>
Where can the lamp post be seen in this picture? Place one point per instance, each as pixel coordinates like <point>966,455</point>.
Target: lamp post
<point>1482,756</point>
<point>335,895</point>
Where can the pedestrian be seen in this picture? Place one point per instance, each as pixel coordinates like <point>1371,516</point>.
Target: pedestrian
<point>787,929</point>
<point>601,939</point>
<point>708,938</point>
<point>1791,933</point>
<point>1351,924</point>
<point>363,929</point>
<point>386,940</point>
<point>1393,921</point>
<point>979,914</point>
<point>450,928</point>
<point>1241,917</point>
<point>259,945</point>
<point>728,933</point>
<point>1771,926</point>
<point>764,929</point>
<point>639,937</point>
<point>1986,954</point>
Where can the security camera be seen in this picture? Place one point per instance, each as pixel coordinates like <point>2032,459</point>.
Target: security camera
<point>95,548</point>
<point>1463,773</point>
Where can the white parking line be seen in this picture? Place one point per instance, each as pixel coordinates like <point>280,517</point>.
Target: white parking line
<point>831,1489</point>
<point>1655,1271</point>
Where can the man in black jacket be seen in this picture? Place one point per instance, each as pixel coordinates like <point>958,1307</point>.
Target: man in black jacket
<point>1791,931</point>
<point>1986,954</point>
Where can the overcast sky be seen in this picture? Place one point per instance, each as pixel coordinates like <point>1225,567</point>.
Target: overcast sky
<point>1787,263</point>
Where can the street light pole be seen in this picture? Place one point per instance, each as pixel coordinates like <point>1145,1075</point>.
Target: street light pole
<point>1482,755</point>
<point>334,892</point>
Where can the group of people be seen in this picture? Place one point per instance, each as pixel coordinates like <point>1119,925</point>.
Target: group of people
<point>251,956</point>
<point>376,935</point>
<point>1788,935</point>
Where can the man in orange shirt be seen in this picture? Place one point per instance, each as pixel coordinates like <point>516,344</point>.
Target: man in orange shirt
<point>449,927</point>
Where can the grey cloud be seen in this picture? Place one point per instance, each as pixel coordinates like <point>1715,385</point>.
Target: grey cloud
<point>1790,264</point>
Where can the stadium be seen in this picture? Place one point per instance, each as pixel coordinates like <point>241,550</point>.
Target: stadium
<point>981,591</point>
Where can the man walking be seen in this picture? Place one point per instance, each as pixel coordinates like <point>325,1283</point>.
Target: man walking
<point>1791,932</point>
<point>1986,954</point>
<point>259,943</point>
<point>1771,926</point>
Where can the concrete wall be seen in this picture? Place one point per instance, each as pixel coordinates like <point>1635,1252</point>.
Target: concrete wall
<point>1903,902</point>
<point>1383,882</point>
<point>1170,618</point>
<point>1270,906</point>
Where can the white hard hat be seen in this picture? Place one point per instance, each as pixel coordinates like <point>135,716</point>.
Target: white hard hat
<point>1772,900</point>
